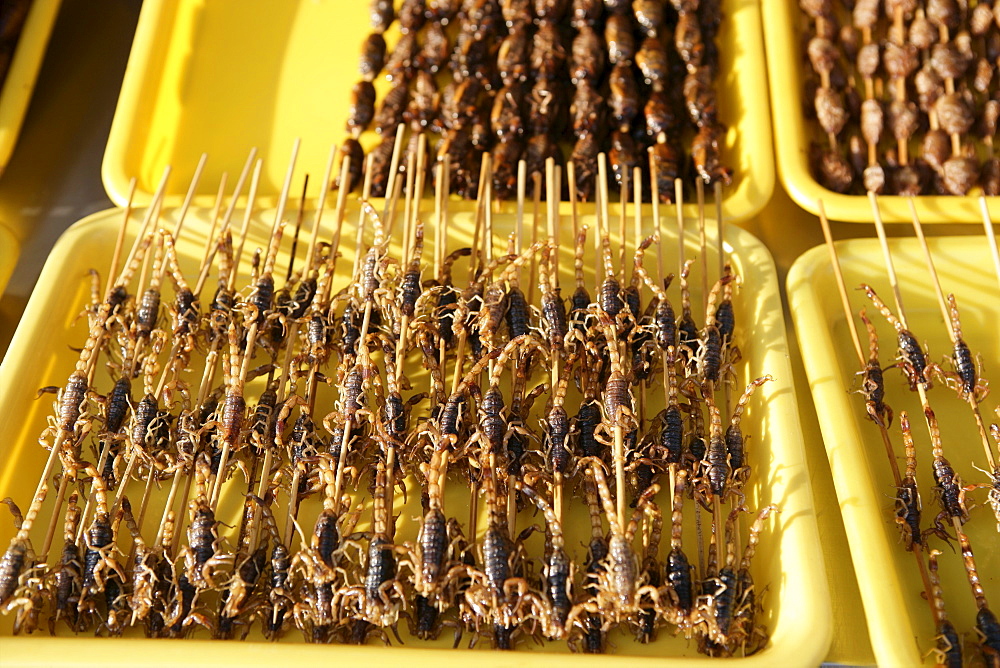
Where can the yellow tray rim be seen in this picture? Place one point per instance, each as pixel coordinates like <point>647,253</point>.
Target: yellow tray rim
<point>745,202</point>
<point>24,66</point>
<point>791,144</point>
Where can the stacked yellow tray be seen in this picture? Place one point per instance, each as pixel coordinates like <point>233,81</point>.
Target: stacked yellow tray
<point>220,76</point>
<point>788,566</point>
<point>787,66</point>
<point>899,619</point>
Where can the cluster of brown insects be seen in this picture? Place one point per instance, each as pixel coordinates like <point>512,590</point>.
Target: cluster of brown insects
<point>952,494</point>
<point>510,78</point>
<point>902,74</point>
<point>306,479</point>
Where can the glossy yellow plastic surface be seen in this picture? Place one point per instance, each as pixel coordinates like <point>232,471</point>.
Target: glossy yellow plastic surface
<point>16,91</point>
<point>899,620</point>
<point>8,256</point>
<point>221,76</point>
<point>786,67</point>
<point>788,567</point>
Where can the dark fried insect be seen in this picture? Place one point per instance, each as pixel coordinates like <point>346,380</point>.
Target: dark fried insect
<point>587,57</point>
<point>372,57</point>
<point>623,98</point>
<point>619,39</point>
<point>381,14</point>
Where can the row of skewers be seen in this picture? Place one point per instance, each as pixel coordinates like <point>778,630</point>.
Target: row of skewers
<point>953,496</point>
<point>901,74</point>
<point>513,77</point>
<point>440,387</point>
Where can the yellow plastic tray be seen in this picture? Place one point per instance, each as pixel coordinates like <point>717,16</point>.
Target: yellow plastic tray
<point>8,256</point>
<point>789,560</point>
<point>220,76</point>
<point>786,67</point>
<point>16,92</point>
<point>899,620</point>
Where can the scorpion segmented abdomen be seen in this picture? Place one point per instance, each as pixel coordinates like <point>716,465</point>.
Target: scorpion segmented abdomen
<point>875,386</point>
<point>909,513</point>
<point>945,477</point>
<point>395,416</point>
<point>118,401</point>
<point>621,568</point>
<point>99,536</point>
<point>558,433</point>
<point>433,543</point>
<point>496,558</point>
<point>351,330</point>
<point>913,353</point>
<point>518,315</point>
<point>610,297</point>
<point>712,354</point>
<point>558,583</point>
<point>326,538</point>
<point>666,325</point>
<point>202,535</point>
<point>965,366</point>
<point>579,303</point>
<point>725,601</point>
<point>10,568</point>
<point>493,424</point>
<point>734,446</point>
<point>950,644</point>
<point>369,280</point>
<point>427,616</point>
<point>353,388</point>
<point>616,396</point>
<point>409,291</point>
<point>446,316</point>
<point>448,419</point>
<point>71,400</point>
<point>718,465</point>
<point>187,310</point>
<point>305,292</point>
<point>381,567</point>
<point>116,298</point>
<point>989,628</point>
<point>593,638</point>
<point>233,413</point>
<point>587,419</point>
<point>144,414</point>
<point>148,312</point>
<point>317,335</point>
<point>678,572</point>
<point>280,564</point>
<point>725,320</point>
<point>633,301</point>
<point>554,313</point>
<point>688,335</point>
<point>517,444</point>
<point>672,434</point>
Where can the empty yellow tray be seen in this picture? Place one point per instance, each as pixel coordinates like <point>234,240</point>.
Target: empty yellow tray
<point>899,620</point>
<point>16,91</point>
<point>788,562</point>
<point>220,76</point>
<point>786,68</point>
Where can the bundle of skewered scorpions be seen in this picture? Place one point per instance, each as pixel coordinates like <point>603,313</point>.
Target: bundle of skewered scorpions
<point>952,494</point>
<point>511,77</point>
<point>528,409</point>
